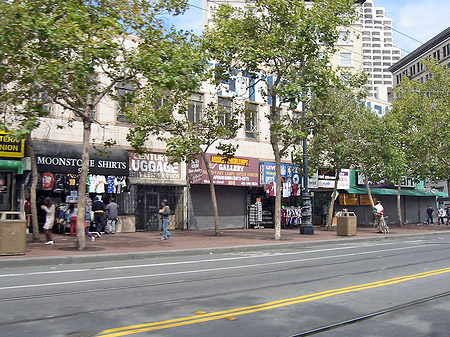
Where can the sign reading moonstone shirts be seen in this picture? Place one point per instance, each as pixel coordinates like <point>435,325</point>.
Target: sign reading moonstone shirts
<point>234,171</point>
<point>153,166</point>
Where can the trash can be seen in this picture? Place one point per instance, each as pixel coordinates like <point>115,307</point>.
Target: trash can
<point>13,234</point>
<point>346,224</point>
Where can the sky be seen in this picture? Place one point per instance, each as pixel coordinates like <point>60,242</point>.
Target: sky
<point>418,19</point>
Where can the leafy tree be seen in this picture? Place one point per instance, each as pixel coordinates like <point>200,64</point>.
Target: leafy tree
<point>76,52</point>
<point>423,110</point>
<point>166,116</point>
<point>331,144</point>
<point>284,46</point>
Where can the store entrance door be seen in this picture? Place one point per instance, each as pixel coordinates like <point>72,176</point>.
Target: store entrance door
<point>147,218</point>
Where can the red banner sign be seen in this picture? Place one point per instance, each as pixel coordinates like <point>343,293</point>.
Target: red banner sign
<point>231,172</point>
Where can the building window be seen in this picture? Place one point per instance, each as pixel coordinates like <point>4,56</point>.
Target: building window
<point>195,108</point>
<point>446,50</point>
<point>125,94</point>
<point>345,59</point>
<point>251,120</point>
<point>437,55</point>
<point>345,38</point>
<point>225,110</point>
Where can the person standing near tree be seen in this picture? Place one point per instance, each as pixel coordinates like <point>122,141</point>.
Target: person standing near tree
<point>112,213</point>
<point>99,215</point>
<point>379,211</point>
<point>441,215</point>
<point>164,213</point>
<point>448,214</point>
<point>430,212</point>
<point>324,214</point>
<point>27,210</point>
<point>49,207</point>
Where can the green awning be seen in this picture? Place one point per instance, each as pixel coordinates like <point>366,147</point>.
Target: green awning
<point>12,165</point>
<point>393,191</point>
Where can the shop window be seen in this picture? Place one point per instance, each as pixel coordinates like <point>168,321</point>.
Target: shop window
<point>251,120</point>
<point>348,199</point>
<point>365,201</point>
<point>125,95</point>
<point>195,109</point>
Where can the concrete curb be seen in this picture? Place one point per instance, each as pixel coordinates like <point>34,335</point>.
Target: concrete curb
<point>107,257</point>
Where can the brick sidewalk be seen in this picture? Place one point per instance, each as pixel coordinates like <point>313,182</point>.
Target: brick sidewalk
<point>184,240</point>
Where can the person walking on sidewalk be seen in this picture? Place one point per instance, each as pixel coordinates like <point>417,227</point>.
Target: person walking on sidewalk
<point>112,214</point>
<point>164,213</point>
<point>430,213</point>
<point>448,214</point>
<point>441,215</point>
<point>49,207</point>
<point>99,215</point>
<point>72,216</point>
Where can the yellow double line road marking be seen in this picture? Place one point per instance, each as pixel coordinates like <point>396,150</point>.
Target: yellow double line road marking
<point>135,329</point>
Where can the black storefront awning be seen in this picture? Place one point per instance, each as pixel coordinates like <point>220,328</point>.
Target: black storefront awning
<point>66,158</point>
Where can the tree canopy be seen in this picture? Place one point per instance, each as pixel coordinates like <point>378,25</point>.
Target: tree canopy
<point>284,48</point>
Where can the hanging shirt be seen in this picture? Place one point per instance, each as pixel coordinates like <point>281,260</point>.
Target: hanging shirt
<point>286,190</point>
<point>121,184</point>
<point>48,181</point>
<point>111,184</point>
<point>92,183</point>
<point>101,181</point>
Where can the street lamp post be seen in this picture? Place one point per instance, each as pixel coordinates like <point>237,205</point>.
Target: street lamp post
<point>306,227</point>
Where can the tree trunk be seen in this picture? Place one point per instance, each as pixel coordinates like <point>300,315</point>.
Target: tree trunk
<point>34,173</point>
<point>333,198</point>
<point>81,216</point>
<point>369,193</point>
<point>277,214</point>
<point>366,182</point>
<point>274,140</point>
<point>399,205</point>
<point>448,186</point>
<point>213,194</point>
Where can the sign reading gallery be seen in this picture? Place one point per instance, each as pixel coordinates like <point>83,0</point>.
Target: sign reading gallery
<point>226,171</point>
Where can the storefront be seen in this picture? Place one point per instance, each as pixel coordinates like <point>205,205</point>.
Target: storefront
<point>233,178</point>
<point>153,178</point>
<point>414,200</point>
<point>321,186</point>
<point>11,173</point>
<point>59,166</point>
<point>266,192</point>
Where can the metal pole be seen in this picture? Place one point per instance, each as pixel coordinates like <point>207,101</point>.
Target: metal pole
<point>306,227</point>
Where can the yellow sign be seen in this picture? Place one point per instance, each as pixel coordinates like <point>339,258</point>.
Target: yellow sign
<point>11,147</point>
<point>231,161</point>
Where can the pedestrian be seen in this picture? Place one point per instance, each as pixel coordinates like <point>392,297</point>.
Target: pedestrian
<point>430,213</point>
<point>99,215</point>
<point>112,214</point>
<point>324,214</point>
<point>379,211</point>
<point>164,213</point>
<point>49,207</point>
<point>72,216</point>
<point>27,210</point>
<point>441,215</point>
<point>448,214</point>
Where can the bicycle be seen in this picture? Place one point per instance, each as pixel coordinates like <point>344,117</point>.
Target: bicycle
<point>382,226</point>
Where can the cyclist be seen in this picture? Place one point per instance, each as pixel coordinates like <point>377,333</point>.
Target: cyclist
<point>379,215</point>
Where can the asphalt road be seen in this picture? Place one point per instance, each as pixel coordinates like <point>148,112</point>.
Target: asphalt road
<point>266,293</point>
